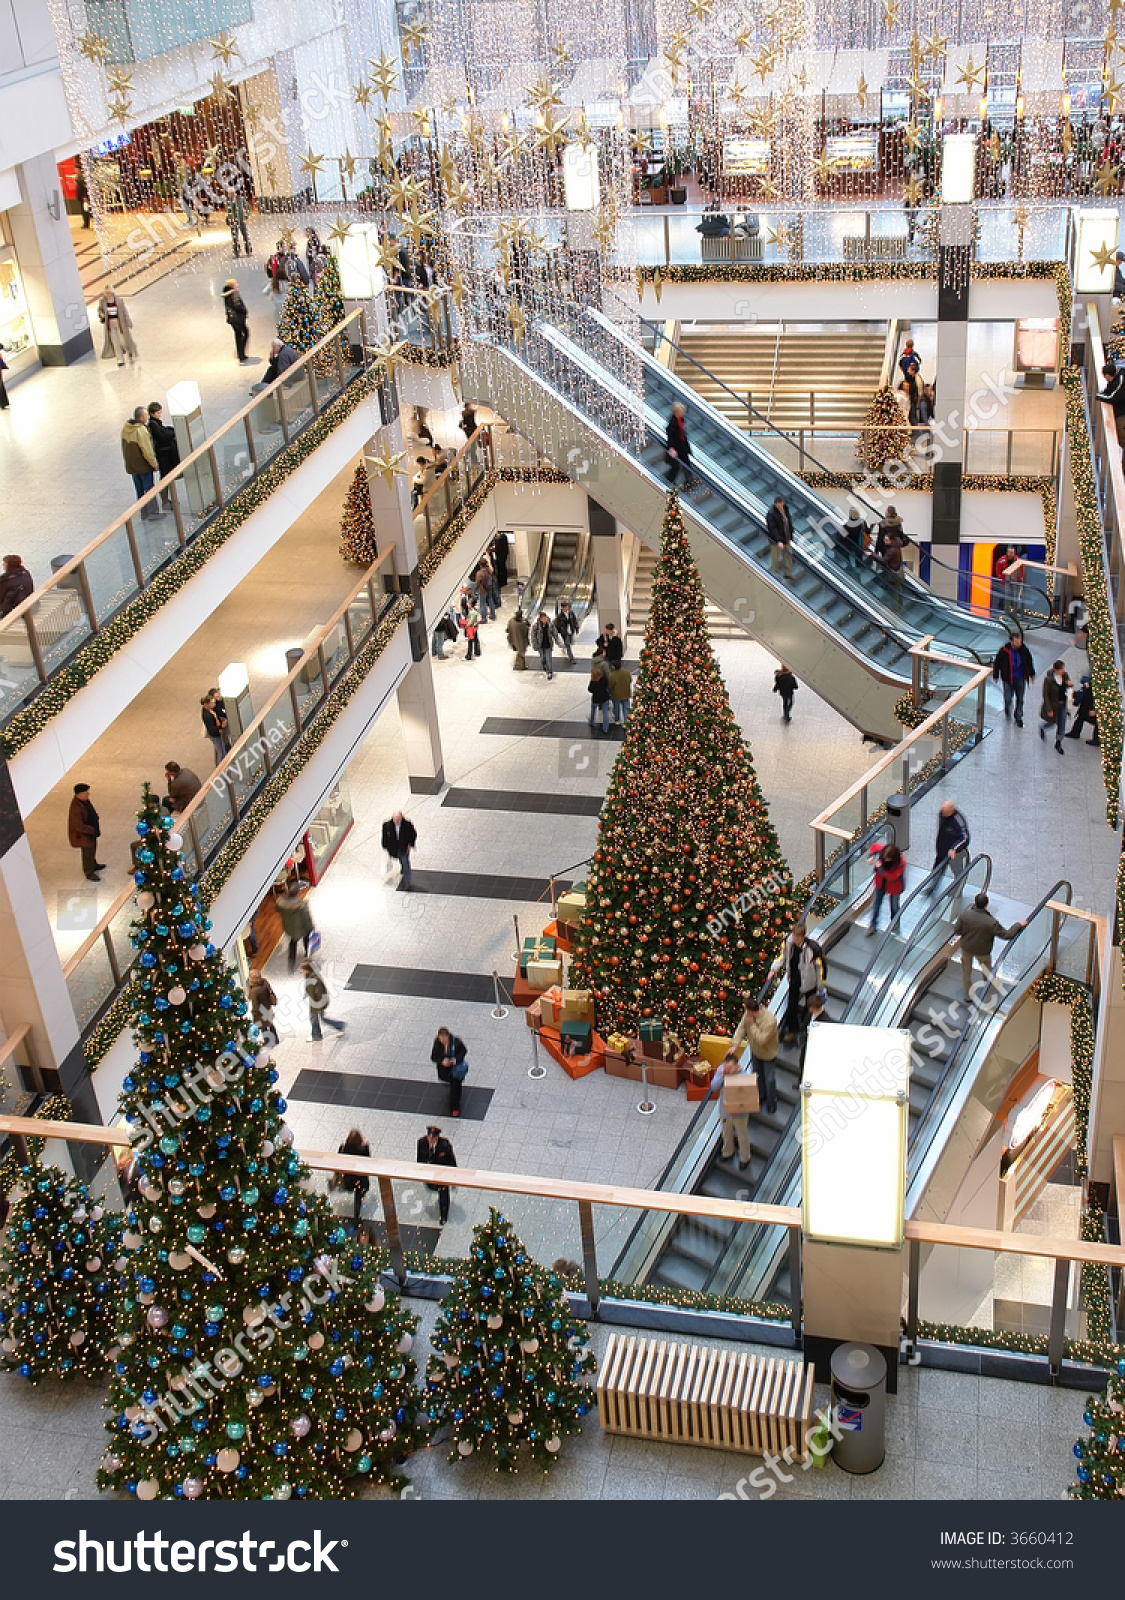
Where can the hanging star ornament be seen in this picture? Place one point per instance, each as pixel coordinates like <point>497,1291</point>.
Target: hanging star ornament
<point>935,47</point>
<point>916,51</point>
<point>562,55</point>
<point>912,190</point>
<point>384,75</point>
<point>311,163</point>
<point>224,48</point>
<point>413,36</point>
<point>861,92</point>
<point>339,230</point>
<point>640,283</point>
<point>890,12</point>
<point>120,82</point>
<point>917,88</point>
<point>763,64</point>
<point>363,93</point>
<point>605,228</point>
<point>421,118</point>
<point>221,88</point>
<point>1103,257</point>
<point>387,465</point>
<point>94,46</point>
<point>1114,89</point>
<point>778,235</point>
<point>1021,216</point>
<point>288,237</point>
<point>404,190</point>
<point>120,110</point>
<point>700,10</point>
<point>912,136</point>
<point>552,134</point>
<point>544,95</point>
<point>970,76</point>
<point>418,225</point>
<point>348,165</point>
<point>1105,177</point>
<point>517,320</point>
<point>457,289</point>
<point>459,195</point>
<point>641,141</point>
<point>387,256</point>
<point>743,40</point>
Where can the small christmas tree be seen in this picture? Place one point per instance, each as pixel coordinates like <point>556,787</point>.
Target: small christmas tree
<point>1101,1455</point>
<point>61,1282</point>
<point>299,324</point>
<point>688,897</point>
<point>330,305</point>
<point>261,1357</point>
<point>511,1361</point>
<point>357,523</point>
<point>886,434</point>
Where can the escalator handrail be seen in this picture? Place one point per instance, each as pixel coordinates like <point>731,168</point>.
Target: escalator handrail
<point>536,585</point>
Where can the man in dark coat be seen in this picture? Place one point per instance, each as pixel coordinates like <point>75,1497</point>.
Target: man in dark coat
<point>976,928</point>
<point>779,532</point>
<point>500,558</point>
<point>399,839</point>
<point>952,843</point>
<point>448,1056</point>
<point>15,584</point>
<point>437,1151</point>
<point>83,829</point>
<point>566,626</point>
<point>677,449</point>
<point>1014,670</point>
<point>167,450</point>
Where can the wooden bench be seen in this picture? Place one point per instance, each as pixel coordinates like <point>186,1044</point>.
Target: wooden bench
<point>692,1394</point>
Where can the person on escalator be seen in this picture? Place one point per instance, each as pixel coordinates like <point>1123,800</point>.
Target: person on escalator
<point>802,961</point>
<point>890,522</point>
<point>976,928</point>
<point>855,531</point>
<point>779,532</point>
<point>566,627</point>
<point>677,447</point>
<point>890,872</point>
<point>1013,670</point>
<point>952,844</point>
<point>893,546</point>
<point>758,1029</point>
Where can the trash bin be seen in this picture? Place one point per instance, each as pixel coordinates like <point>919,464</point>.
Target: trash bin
<point>71,580</point>
<point>859,1399</point>
<point>898,815</point>
<point>293,657</point>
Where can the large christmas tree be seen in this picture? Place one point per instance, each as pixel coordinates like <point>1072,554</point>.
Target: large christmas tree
<point>261,1357</point>
<point>330,310</point>
<point>59,1279</point>
<point>688,896</point>
<point>1101,1455</point>
<point>357,522</point>
<point>886,435</point>
<point>299,323</point>
<point>511,1361</point>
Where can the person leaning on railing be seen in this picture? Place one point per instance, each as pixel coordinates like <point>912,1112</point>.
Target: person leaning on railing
<point>1114,394</point>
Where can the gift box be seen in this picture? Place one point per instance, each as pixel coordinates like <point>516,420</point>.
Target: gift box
<point>652,1039</point>
<point>550,1004</point>
<point>575,1037</point>
<point>533,1016</point>
<point>651,1028</point>
<point>714,1046</point>
<point>535,949</point>
<point>622,1063</point>
<point>575,1066</point>
<point>572,907</point>
<point>663,1074</point>
<point>577,1006</point>
<point>739,1095</point>
<point>542,974</point>
<point>618,1043</point>
<point>699,1075</point>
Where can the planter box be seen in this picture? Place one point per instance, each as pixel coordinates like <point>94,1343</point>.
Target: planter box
<point>679,196</point>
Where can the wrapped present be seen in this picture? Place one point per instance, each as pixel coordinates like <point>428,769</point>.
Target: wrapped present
<point>542,974</point>
<point>618,1043</point>
<point>550,1004</point>
<point>701,1071</point>
<point>577,1005</point>
<point>651,1028</point>
<point>699,1075</point>
<point>533,1016</point>
<point>663,1074</point>
<point>572,908</point>
<point>652,1039</point>
<point>673,1048</point>
<point>714,1046</point>
<point>621,1064</point>
<point>535,949</point>
<point>575,1037</point>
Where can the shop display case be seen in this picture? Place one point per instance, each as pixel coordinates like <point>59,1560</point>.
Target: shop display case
<point>852,162</point>
<point>327,832</point>
<point>746,166</point>
<point>16,337</point>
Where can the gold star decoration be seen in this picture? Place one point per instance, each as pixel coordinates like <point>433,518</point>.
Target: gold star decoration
<point>912,190</point>
<point>763,120</point>
<point>348,164</point>
<point>339,230</point>
<point>1114,89</point>
<point>288,237</point>
<point>763,64</point>
<point>447,167</point>
<point>413,36</point>
<point>890,12</point>
<point>211,157</point>
<point>823,168</point>
<point>641,141</point>
<point>404,191</point>
<point>387,256</point>
<point>562,55</point>
<point>1102,257</point>
<point>120,82</point>
<point>605,227</point>
<point>912,136</point>
<point>640,283</point>
<point>221,88</point>
<point>861,92</point>
<point>700,10</point>
<point>552,134</point>
<point>384,75</point>
<point>544,95</point>
<point>675,66</point>
<point>679,41</point>
<point>1021,216</point>
<point>418,225</point>
<point>766,186</point>
<point>917,51</point>
<point>935,47</point>
<point>457,289</point>
<point>386,465</point>
<point>518,320</point>
<point>473,130</point>
<point>917,87</point>
<point>1114,6</point>
<point>121,110</point>
<point>224,48</point>
<point>449,105</point>
<point>421,119</point>
<point>971,76</point>
<point>362,93</point>
<point>515,143</point>
<point>742,40</point>
<point>737,95</point>
<point>94,46</point>
<point>778,235</point>
<point>1105,177</point>
<point>458,194</point>
<point>311,163</point>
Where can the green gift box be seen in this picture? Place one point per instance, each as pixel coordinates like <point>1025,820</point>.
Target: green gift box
<point>575,1038</point>
<point>536,949</point>
<point>651,1030</point>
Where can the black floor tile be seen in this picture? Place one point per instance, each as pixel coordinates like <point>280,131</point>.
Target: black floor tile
<point>461,986</point>
<point>528,728</point>
<point>412,1097</point>
<point>560,805</point>
<point>483,886</point>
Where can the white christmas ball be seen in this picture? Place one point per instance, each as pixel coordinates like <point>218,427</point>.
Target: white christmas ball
<point>465,1448</point>
<point>146,899</point>
<point>515,1418</point>
<point>253,1315</point>
<point>300,1425</point>
<point>267,1148</point>
<point>354,1440</point>
<point>495,1321</point>
<point>96,1214</point>
<point>236,1255</point>
<point>148,1489</point>
<point>146,1299</point>
<point>177,1382</point>
<point>77,1338</point>
<point>175,842</point>
<point>121,1263</point>
<point>205,1211</point>
<point>316,1340</point>
<point>198,952</point>
<point>193,1488</point>
<point>178,1260</point>
<point>154,1224</point>
<point>282,1492</point>
<point>176,997</point>
<point>405,1344</point>
<point>255,1398</point>
<point>529,1346</point>
<point>378,1299</point>
<point>388,1433</point>
<point>110,1462</point>
<point>156,1317</point>
<point>554,1445</point>
<point>79,1214</point>
<point>93,1264</point>
<point>8,1346</point>
<point>227,1460</point>
<point>285,1135</point>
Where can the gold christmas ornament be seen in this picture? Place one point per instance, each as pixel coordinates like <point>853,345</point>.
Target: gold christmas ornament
<point>224,48</point>
<point>387,465</point>
<point>94,46</point>
<point>311,163</point>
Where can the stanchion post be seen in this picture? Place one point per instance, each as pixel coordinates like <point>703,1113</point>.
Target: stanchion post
<point>646,1106</point>
<point>519,946</point>
<point>536,1070</point>
<point>499,1011</point>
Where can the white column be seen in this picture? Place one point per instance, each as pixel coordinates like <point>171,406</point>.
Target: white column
<point>45,251</point>
<point>608,574</point>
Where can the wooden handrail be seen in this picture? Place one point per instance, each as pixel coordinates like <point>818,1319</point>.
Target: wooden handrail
<point>1043,566</point>
<point>448,468</point>
<point>12,1043</point>
<point>249,737</point>
<point>1024,1244</point>
<point>188,461</point>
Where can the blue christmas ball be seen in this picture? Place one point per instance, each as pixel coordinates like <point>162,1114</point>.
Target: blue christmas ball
<point>1078,1450</point>
<point>148,959</point>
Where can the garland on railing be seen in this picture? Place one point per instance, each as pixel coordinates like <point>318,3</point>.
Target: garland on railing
<point>421,355</point>
<point>1100,635</point>
<point>107,1030</point>
<point>104,645</point>
<point>455,527</point>
<point>56,1108</point>
<point>541,474</point>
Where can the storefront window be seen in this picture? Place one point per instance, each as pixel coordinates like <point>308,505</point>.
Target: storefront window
<point>16,338</point>
<point>326,832</point>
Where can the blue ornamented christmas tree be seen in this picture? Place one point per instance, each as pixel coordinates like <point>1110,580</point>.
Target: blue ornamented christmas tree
<point>260,1356</point>
<point>1101,1455</point>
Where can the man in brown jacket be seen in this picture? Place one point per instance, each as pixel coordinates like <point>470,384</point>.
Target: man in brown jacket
<point>977,928</point>
<point>758,1029</point>
<point>139,455</point>
<point>183,786</point>
<point>83,828</point>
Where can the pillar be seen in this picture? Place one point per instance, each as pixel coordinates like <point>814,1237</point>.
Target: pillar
<point>954,259</point>
<point>45,251</point>
<point>33,991</point>
<point>394,524</point>
<point>608,576</point>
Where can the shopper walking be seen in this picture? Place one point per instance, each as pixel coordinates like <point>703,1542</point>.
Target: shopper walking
<point>498,549</point>
<point>449,1057</point>
<point>1014,670</point>
<point>435,1150</point>
<point>598,689</point>
<point>1052,711</point>
<point>951,848</point>
<point>357,1182</point>
<point>316,992</point>
<point>263,1006</point>
<point>214,717</point>
<point>802,961</point>
<point>909,362</point>
<point>544,637</point>
<point>238,318</point>
<point>167,450</point>
<point>677,446</point>
<point>758,1029</point>
<point>735,1124</point>
<point>890,873</point>
<point>785,684</point>
<point>779,532</point>
<point>399,839</point>
<point>519,638</point>
<point>482,580</point>
<point>236,220</point>
<point>471,624</point>
<point>620,693</point>
<point>84,827</point>
<point>1082,700</point>
<point>445,633</point>
<point>139,455</point>
<point>566,628</point>
<point>113,314</point>
<point>976,929</point>
<point>296,918</point>
<point>16,584</point>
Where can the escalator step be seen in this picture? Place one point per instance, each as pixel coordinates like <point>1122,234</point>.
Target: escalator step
<point>679,1272</point>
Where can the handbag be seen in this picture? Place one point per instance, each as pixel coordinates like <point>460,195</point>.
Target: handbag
<point>314,943</point>
<point>459,1071</point>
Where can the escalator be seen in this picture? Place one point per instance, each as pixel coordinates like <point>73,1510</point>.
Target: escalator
<point>842,624</point>
<point>563,571</point>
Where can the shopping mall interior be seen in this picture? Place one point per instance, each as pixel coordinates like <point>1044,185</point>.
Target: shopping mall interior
<point>732,387</point>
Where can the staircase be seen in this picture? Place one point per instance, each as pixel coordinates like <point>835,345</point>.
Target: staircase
<point>796,374</point>
<point>719,625</point>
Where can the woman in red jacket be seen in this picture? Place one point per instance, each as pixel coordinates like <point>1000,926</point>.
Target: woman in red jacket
<point>890,871</point>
